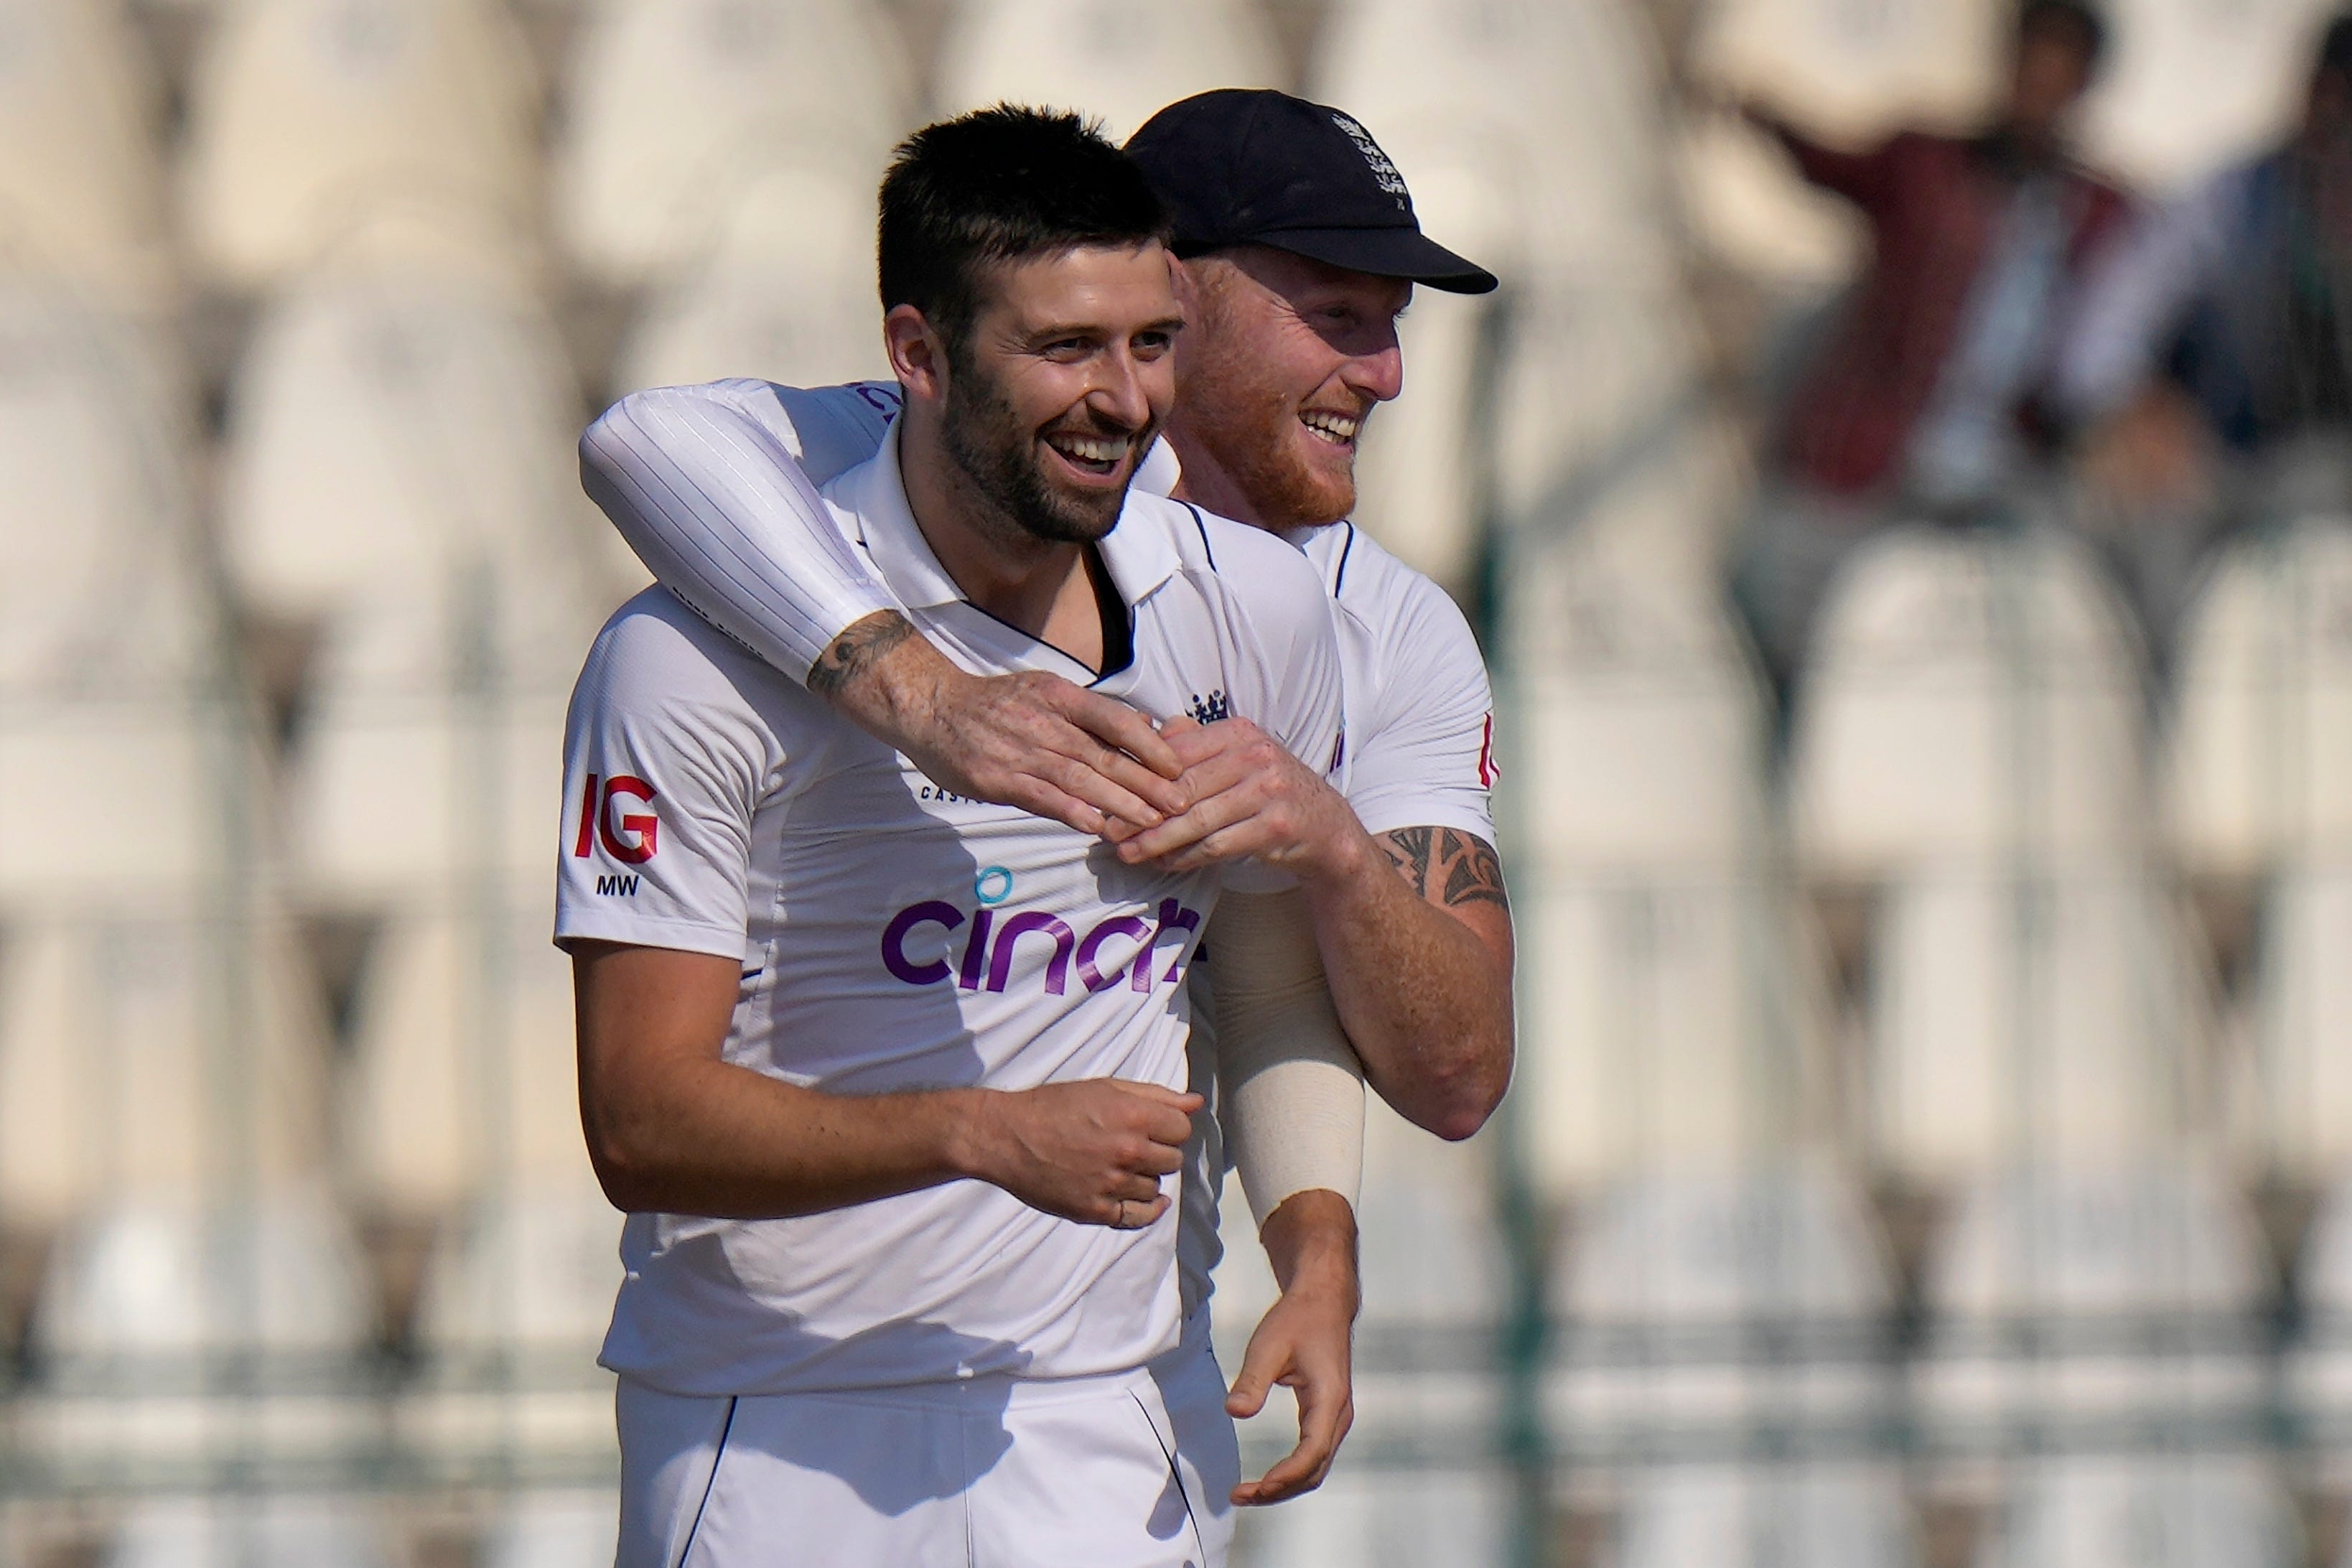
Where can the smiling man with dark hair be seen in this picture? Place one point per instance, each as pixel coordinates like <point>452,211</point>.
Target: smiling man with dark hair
<point>890,1081</point>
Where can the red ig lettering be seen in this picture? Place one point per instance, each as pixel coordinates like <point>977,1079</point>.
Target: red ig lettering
<point>632,840</point>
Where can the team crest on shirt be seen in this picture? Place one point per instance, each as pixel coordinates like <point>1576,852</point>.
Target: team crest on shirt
<point>1209,710</point>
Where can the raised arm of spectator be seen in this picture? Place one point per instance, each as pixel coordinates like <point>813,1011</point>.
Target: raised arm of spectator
<point>1865,178</point>
<point>715,489</point>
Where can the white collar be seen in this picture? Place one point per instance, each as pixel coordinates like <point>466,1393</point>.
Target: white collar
<point>1139,552</point>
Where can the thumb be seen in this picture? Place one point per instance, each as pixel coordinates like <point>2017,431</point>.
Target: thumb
<point>1261,1363</point>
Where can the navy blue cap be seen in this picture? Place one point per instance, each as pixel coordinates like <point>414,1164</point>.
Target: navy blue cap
<point>1252,166</point>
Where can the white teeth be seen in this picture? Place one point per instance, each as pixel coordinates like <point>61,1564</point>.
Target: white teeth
<point>1092,448</point>
<point>1337,428</point>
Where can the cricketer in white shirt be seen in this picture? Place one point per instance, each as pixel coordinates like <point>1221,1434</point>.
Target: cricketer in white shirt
<point>701,483</point>
<point>909,1364</point>
<point>698,480</point>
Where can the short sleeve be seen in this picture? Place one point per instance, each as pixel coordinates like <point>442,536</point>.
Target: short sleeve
<point>663,769</point>
<point>1426,755</point>
<point>1289,681</point>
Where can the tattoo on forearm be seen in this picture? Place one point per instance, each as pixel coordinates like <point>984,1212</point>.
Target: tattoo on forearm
<point>1457,868</point>
<point>854,651</point>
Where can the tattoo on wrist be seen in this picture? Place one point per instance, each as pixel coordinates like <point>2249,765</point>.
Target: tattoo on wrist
<point>1448,867</point>
<point>856,650</point>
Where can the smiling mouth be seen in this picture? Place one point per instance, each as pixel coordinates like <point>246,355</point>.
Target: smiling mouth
<point>1098,454</point>
<point>1332,429</point>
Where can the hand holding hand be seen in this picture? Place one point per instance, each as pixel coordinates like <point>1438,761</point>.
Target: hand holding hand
<point>1249,797</point>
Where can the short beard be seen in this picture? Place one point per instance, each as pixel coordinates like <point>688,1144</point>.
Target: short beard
<point>984,439</point>
<point>1243,422</point>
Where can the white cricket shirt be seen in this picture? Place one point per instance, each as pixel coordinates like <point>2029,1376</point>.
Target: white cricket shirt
<point>894,937</point>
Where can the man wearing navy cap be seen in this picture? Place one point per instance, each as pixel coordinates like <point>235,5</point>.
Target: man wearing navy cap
<point>1297,249</point>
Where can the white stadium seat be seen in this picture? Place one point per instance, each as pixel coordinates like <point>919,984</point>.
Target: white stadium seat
<point>429,764</point>
<point>269,1531</point>
<point>151,1054</point>
<point>2187,89</point>
<point>516,1300</point>
<point>549,1529</point>
<point>1367,1518</point>
<point>2302,1089</point>
<point>1558,103</point>
<point>675,104</point>
<point>1603,429</point>
<point>787,293</point>
<point>1973,698</point>
<point>2152,1512</point>
<point>461,1075</point>
<point>1719,1306</point>
<point>305,113</point>
<point>1710,1517</point>
<point>179,1333</point>
<point>1749,210</point>
<point>2125,1303</point>
<point>1643,743</point>
<point>105,593</point>
<point>2259,759</point>
<point>80,187</point>
<point>1667,1022</point>
<point>400,430</point>
<point>1120,62</point>
<point>2063,1018</point>
<point>1675,1007</point>
<point>1855,73</point>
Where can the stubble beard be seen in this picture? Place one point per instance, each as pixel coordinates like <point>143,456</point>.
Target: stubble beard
<point>1244,423</point>
<point>985,437</point>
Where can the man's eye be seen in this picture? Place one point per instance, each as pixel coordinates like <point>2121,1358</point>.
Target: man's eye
<point>1067,348</point>
<point>1153,344</point>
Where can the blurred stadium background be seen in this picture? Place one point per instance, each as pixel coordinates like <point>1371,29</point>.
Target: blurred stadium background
<point>1934,1124</point>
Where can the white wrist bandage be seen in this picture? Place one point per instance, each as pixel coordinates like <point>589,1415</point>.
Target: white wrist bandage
<point>1291,1089</point>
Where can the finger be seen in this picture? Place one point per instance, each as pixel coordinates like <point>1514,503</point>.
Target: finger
<point>1177,1100</point>
<point>1123,728</point>
<point>1168,1128</point>
<point>1159,1159</point>
<point>1214,812</point>
<point>1125,1208</point>
<point>1077,777</point>
<point>1039,798</point>
<point>1248,837</point>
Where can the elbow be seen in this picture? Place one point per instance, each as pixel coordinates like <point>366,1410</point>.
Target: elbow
<point>630,1168</point>
<point>1465,1098</point>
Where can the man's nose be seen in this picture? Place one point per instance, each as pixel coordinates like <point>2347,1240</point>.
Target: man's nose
<point>1377,375</point>
<point>1123,392</point>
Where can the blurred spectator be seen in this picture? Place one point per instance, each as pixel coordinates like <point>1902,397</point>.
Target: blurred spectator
<point>1920,397</point>
<point>2225,317</point>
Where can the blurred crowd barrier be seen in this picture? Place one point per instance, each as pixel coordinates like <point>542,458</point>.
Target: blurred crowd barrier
<point>1932,1139</point>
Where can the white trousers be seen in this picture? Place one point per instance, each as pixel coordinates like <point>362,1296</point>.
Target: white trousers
<point>1132,1471</point>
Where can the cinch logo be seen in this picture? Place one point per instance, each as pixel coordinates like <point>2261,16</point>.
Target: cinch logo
<point>634,838</point>
<point>611,882</point>
<point>1119,945</point>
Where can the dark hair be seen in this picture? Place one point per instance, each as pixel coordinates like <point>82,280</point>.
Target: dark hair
<point>996,185</point>
<point>2077,17</point>
<point>2334,56</point>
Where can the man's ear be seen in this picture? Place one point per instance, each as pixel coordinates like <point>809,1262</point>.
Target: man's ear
<point>918,355</point>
